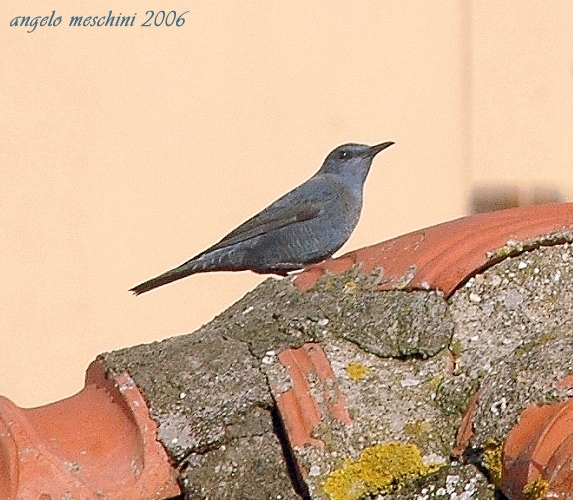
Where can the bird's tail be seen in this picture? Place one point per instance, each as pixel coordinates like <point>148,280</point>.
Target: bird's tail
<point>222,260</point>
<point>163,279</point>
<point>193,266</point>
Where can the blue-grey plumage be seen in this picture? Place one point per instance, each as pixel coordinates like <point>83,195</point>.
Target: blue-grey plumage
<point>305,226</point>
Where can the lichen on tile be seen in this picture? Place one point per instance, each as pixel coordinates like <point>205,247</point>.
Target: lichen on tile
<point>536,489</point>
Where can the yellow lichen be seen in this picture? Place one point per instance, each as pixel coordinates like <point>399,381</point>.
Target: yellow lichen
<point>357,371</point>
<point>380,469</point>
<point>536,489</point>
<point>435,382</point>
<point>493,460</point>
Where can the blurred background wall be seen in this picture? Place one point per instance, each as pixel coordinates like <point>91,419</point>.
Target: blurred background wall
<point>126,150</point>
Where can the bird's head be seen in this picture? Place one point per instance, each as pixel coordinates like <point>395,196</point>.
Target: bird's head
<point>352,161</point>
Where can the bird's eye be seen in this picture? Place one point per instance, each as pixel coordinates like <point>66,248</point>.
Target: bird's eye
<point>342,155</point>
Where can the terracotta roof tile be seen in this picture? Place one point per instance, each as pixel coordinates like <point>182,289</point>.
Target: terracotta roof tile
<point>442,257</point>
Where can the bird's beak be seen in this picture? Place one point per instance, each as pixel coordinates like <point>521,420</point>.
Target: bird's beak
<point>374,150</point>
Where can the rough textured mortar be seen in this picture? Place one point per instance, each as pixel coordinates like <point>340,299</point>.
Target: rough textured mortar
<point>210,391</point>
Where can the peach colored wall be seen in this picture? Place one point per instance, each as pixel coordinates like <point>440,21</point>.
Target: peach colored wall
<point>521,97</point>
<point>125,151</point>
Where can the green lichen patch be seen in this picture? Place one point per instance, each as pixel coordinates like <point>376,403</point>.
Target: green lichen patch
<point>379,470</point>
<point>419,432</point>
<point>514,247</point>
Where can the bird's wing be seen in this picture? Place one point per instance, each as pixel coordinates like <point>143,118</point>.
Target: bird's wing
<point>303,203</point>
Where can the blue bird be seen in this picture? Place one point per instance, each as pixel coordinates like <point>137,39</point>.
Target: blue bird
<point>305,226</point>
